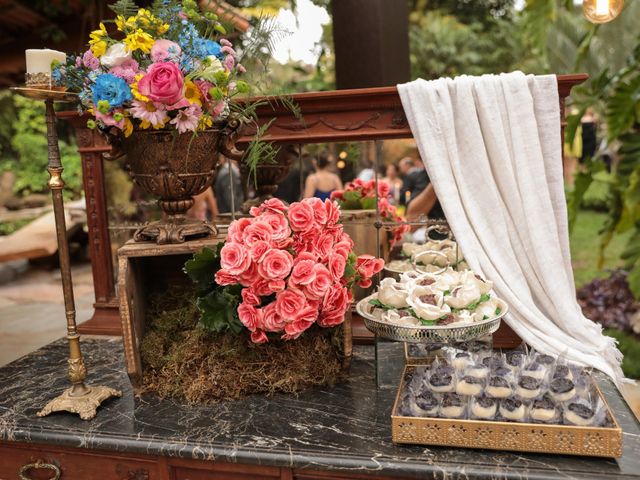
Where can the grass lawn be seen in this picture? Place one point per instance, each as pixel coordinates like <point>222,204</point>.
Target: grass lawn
<point>585,248</point>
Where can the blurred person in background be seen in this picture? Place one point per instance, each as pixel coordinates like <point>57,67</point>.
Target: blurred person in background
<point>367,173</point>
<point>393,179</point>
<point>205,206</point>
<point>321,183</point>
<point>228,177</point>
<point>414,179</point>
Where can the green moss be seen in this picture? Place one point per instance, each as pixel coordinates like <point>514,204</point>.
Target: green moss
<point>182,359</point>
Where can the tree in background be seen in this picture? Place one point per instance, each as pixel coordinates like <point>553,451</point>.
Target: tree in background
<point>23,138</point>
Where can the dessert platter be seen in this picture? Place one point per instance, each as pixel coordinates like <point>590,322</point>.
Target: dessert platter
<point>524,401</point>
<point>443,306</point>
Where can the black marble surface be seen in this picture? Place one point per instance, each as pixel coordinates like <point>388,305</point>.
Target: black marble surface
<point>342,428</point>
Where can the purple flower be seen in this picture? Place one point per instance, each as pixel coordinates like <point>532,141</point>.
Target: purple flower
<point>229,62</point>
<point>225,43</point>
<point>90,61</point>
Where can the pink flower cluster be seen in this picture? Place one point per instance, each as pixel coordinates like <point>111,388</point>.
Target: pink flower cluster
<point>291,262</point>
<point>367,190</point>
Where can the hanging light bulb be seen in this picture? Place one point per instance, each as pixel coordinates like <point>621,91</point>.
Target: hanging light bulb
<point>602,11</point>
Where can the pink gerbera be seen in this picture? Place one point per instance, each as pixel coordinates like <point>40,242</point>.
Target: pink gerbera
<point>155,114</point>
<point>187,119</point>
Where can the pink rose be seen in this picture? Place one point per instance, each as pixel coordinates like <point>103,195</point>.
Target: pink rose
<point>163,49</point>
<point>344,247</point>
<point>324,245</point>
<point>294,329</point>
<point>279,225</point>
<point>248,277</point>
<point>368,265</point>
<point>383,189</point>
<point>277,285</point>
<point>321,283</point>
<point>259,337</point>
<point>203,88</point>
<point>319,210</point>
<point>337,195</point>
<point>289,303</point>
<point>249,297</point>
<point>236,229</point>
<point>261,287</point>
<point>301,217</point>
<point>164,83</point>
<point>234,258</point>
<point>334,306</point>
<point>272,321</point>
<point>336,263</point>
<point>257,231</point>
<point>303,273</point>
<point>276,264</point>
<point>273,205</point>
<point>333,212</point>
<point>250,316</point>
<point>259,249</point>
<point>222,277</point>
<point>365,283</point>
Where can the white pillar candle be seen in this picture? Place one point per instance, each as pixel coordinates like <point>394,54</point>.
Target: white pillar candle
<point>39,60</point>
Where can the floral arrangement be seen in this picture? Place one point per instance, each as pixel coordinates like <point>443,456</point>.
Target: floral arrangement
<point>162,67</point>
<point>448,297</point>
<point>361,195</point>
<point>281,271</point>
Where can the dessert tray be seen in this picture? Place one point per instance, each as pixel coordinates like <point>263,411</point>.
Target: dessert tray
<point>458,332</point>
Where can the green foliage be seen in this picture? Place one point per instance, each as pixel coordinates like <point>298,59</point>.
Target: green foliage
<point>125,8</point>
<point>25,152</point>
<point>217,304</point>
<point>630,348</point>
<point>7,228</point>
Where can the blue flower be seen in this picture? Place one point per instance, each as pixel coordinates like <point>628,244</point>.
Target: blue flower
<point>214,48</point>
<point>112,89</point>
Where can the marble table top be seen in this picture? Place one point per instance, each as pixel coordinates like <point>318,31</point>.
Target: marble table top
<point>345,428</point>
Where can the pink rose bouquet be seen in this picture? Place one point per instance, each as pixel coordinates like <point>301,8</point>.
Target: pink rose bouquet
<point>361,195</point>
<point>164,67</point>
<point>281,271</point>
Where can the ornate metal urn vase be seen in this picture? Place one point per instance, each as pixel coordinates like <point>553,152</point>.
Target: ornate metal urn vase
<point>174,168</point>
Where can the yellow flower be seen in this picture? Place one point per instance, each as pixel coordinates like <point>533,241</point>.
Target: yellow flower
<point>98,41</point>
<point>205,122</point>
<point>127,128</point>
<point>191,93</point>
<point>124,25</point>
<point>139,40</point>
<point>162,29</point>
<point>98,49</point>
<point>134,89</point>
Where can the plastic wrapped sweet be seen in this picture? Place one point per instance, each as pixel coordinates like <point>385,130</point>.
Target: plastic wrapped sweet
<point>499,387</point>
<point>484,407</point>
<point>562,371</point>
<point>453,406</point>
<point>442,379</point>
<point>425,404</point>
<point>513,409</point>
<point>528,387</point>
<point>562,389</point>
<point>478,371</point>
<point>578,413</point>
<point>469,386</point>
<point>535,370</point>
<point>545,410</point>
<point>461,360</point>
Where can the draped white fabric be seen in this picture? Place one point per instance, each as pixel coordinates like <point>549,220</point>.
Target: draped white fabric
<point>492,148</point>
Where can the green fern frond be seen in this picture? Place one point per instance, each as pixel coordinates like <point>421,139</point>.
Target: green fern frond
<point>260,152</point>
<point>126,8</point>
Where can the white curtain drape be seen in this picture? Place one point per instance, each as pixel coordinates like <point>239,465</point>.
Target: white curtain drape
<point>492,148</point>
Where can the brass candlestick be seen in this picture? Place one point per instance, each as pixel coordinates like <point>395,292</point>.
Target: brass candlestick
<point>79,398</point>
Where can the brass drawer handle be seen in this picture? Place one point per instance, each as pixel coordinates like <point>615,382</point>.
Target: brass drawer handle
<point>48,466</point>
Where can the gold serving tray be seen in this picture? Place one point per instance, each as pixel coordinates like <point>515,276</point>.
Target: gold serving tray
<point>518,437</point>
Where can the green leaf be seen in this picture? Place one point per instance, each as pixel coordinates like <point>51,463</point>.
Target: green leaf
<point>368,203</point>
<point>203,267</point>
<point>242,86</point>
<point>217,314</point>
<point>428,323</point>
<point>377,303</point>
<point>498,311</point>
<point>634,279</point>
<point>351,196</point>
<point>446,292</point>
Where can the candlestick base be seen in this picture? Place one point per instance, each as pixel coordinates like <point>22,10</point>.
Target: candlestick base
<point>85,405</point>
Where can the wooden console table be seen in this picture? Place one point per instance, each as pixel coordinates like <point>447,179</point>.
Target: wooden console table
<point>333,116</point>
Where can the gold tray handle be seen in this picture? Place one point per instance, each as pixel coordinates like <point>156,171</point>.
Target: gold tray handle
<point>38,465</point>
